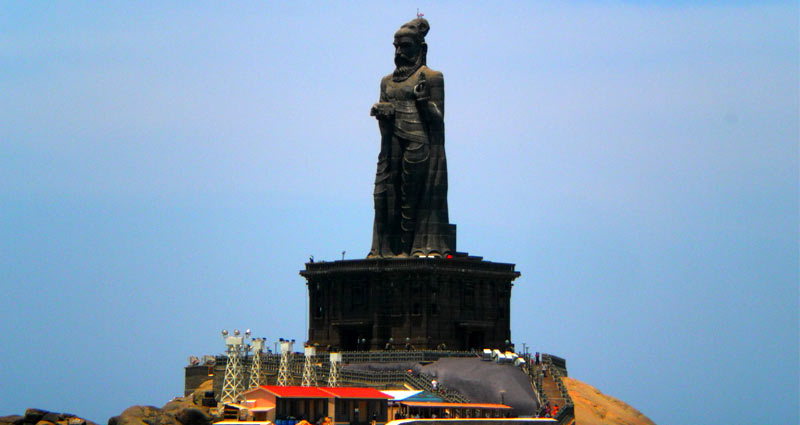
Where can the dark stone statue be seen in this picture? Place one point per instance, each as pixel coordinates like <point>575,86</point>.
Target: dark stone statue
<point>411,182</point>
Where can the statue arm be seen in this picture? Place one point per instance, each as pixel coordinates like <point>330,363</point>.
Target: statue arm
<point>383,97</point>
<point>382,110</point>
<point>431,97</point>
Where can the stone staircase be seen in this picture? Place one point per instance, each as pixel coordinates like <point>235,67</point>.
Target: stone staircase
<point>551,389</point>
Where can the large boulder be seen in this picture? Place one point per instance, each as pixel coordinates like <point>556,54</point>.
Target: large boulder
<point>192,401</point>
<point>199,393</point>
<point>43,417</point>
<point>193,416</point>
<point>144,415</point>
<point>11,419</point>
<point>33,416</point>
<point>179,411</point>
<point>52,417</point>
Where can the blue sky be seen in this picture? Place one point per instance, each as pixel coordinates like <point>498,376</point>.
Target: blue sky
<point>167,170</point>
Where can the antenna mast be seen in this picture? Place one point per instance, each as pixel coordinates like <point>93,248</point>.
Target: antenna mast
<point>286,358</point>
<point>333,375</point>
<point>256,368</point>
<point>232,384</point>
<point>309,377</point>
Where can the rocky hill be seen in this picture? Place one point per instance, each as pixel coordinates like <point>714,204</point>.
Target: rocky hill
<point>187,410</point>
<point>595,408</point>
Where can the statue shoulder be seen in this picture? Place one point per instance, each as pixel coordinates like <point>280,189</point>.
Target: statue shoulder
<point>435,77</point>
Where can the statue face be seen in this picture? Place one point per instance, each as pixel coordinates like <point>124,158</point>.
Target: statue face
<point>406,51</point>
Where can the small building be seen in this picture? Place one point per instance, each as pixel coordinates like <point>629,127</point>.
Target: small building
<point>427,409</point>
<point>400,396</point>
<point>356,405</point>
<point>273,403</point>
<point>345,405</point>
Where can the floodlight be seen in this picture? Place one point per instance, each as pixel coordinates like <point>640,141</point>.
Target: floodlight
<point>224,332</point>
<point>247,332</point>
<point>236,332</point>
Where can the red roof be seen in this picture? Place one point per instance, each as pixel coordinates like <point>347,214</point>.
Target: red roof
<point>296,392</point>
<point>455,405</point>
<point>355,392</point>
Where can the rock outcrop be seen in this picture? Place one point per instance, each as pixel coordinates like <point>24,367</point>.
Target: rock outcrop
<point>595,408</point>
<point>187,410</point>
<point>44,417</point>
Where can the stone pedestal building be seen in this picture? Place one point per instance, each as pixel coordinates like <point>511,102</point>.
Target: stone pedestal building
<point>456,303</point>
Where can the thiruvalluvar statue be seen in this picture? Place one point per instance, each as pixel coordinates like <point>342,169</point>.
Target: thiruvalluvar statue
<point>411,218</point>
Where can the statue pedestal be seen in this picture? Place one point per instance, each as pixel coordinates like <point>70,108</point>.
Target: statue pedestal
<point>460,303</point>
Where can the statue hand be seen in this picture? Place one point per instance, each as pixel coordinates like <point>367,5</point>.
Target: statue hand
<point>382,110</point>
<point>422,91</point>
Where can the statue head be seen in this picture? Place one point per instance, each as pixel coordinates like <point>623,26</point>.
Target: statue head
<point>410,50</point>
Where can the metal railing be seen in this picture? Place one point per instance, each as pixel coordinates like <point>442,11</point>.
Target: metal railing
<point>536,384</point>
<point>354,377</point>
<point>425,382</point>
<point>396,356</point>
